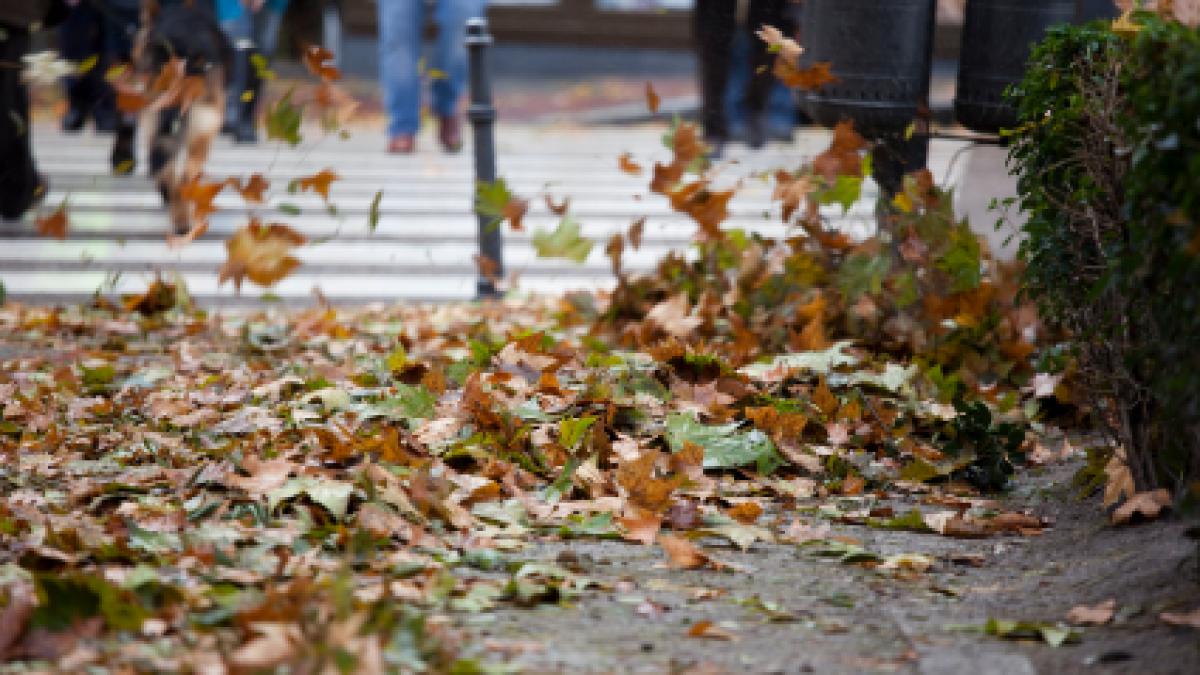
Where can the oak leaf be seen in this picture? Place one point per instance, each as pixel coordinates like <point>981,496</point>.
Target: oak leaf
<point>683,554</point>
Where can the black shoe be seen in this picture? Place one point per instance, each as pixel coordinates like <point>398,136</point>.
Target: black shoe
<point>756,131</point>
<point>245,133</point>
<point>123,159</point>
<point>73,121</point>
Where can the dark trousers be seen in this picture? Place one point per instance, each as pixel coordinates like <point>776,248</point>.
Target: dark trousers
<point>18,176</point>
<point>714,24</point>
<point>106,37</point>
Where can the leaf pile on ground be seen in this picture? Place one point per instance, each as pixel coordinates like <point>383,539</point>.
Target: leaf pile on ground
<point>335,489</point>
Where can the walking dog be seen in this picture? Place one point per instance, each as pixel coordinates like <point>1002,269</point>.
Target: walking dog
<point>180,62</point>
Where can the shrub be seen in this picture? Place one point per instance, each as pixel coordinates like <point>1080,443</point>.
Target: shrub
<point>1108,159</point>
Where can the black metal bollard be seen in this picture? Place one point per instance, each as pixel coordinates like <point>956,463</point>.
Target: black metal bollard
<point>483,118</point>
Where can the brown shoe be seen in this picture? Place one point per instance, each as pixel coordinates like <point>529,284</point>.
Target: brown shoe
<point>402,145</point>
<point>450,134</point>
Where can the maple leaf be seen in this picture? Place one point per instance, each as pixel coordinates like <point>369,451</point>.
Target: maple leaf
<point>200,195</point>
<point>318,183</point>
<point>843,157</point>
<point>652,99</point>
<point>564,241</point>
<point>626,164</point>
<point>497,201</point>
<point>674,316</point>
<point>1145,504</point>
<point>252,190</point>
<point>55,223</point>
<point>260,253</point>
<point>318,61</point>
<point>683,554</point>
<point>634,234</point>
<point>791,191</point>
<point>1095,615</point>
<point>559,208</point>
<point>641,526</point>
<point>707,629</point>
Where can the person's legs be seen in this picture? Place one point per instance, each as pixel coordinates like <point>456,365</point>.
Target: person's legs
<point>450,63</point>
<point>119,28</point>
<point>238,26</point>
<point>80,39</point>
<point>20,184</point>
<point>401,25</point>
<point>771,13</point>
<point>714,22</point>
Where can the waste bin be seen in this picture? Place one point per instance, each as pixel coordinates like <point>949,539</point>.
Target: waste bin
<point>880,51</point>
<point>997,38</point>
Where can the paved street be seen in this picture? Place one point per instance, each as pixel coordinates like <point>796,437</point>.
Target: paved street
<point>423,246</point>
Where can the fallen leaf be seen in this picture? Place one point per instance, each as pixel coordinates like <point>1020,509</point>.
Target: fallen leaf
<point>709,630</point>
<point>1145,504</point>
<point>1190,619</point>
<point>1095,615</point>
<point>319,182</point>
<point>682,553</point>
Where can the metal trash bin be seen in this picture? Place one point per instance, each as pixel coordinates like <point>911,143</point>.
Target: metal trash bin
<point>997,38</point>
<point>880,51</point>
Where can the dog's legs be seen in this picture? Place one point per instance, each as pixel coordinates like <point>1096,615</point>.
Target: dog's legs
<point>164,156</point>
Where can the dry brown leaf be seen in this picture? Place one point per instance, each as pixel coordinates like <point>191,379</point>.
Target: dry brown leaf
<point>54,224</point>
<point>652,99</point>
<point>260,253</point>
<point>319,182</point>
<point>635,233</point>
<point>1145,504</point>
<point>682,553</point>
<point>674,316</point>
<point>746,513</point>
<point>626,163</point>
<point>709,630</point>
<point>800,532</point>
<point>272,646</point>
<point>1120,479</point>
<point>265,475</point>
<point>641,525</point>
<point>1190,619</point>
<point>1093,615</point>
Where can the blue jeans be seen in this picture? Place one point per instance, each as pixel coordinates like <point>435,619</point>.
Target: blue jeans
<point>258,31</point>
<point>401,27</point>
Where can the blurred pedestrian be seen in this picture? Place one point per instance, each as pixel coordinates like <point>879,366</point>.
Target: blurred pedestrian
<point>20,184</point>
<point>252,27</point>
<point>81,39</point>
<point>715,22</point>
<point>401,29</point>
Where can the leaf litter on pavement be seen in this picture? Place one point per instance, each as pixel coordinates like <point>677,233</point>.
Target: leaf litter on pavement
<point>339,489</point>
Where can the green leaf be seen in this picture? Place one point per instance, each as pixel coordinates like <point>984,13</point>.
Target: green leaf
<point>817,362</point>
<point>64,599</point>
<point>590,525</point>
<point>492,198</point>
<point>571,430</point>
<point>373,214</point>
<point>911,521</point>
<point>845,191</point>
<point>333,495</point>
<point>98,375</point>
<point>288,209</point>
<point>724,446</point>
<point>564,242</point>
<point>397,359</point>
<point>861,273</point>
<point>283,120</point>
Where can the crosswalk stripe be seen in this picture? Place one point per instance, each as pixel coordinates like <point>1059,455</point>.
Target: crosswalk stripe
<point>423,245</point>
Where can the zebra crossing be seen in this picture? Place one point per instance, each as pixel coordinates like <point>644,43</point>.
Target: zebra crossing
<point>423,245</point>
